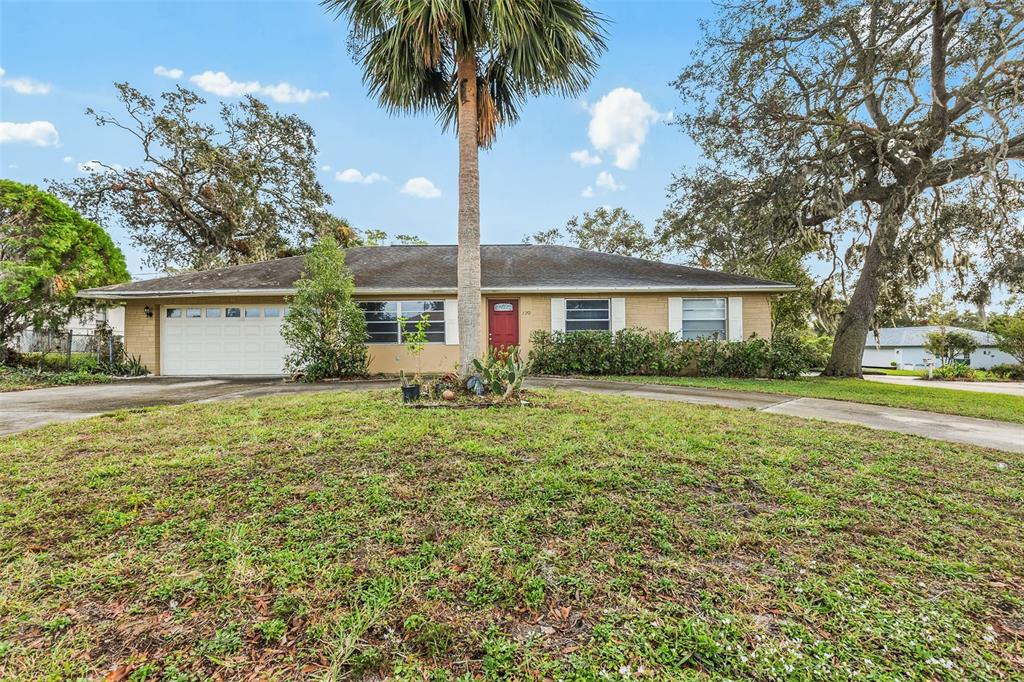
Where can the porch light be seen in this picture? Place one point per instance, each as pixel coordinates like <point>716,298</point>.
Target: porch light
<point>148,311</point>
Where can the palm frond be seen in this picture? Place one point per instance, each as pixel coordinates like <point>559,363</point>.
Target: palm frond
<point>409,50</point>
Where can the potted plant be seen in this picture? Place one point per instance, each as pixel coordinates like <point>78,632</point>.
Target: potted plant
<point>415,342</point>
<point>410,391</point>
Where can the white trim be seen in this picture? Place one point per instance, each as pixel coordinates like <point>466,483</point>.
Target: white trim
<point>558,314</point>
<point>618,314</point>
<point>451,312</point>
<point>675,315</point>
<point>426,291</point>
<point>734,318</point>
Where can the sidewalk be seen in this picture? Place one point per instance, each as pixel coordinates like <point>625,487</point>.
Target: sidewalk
<point>945,427</point>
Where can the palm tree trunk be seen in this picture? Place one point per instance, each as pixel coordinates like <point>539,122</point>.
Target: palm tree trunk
<point>848,348</point>
<point>469,217</point>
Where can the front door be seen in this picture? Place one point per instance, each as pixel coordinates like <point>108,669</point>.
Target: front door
<point>503,323</point>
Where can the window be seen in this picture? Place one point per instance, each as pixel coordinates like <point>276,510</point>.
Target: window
<point>193,312</point>
<point>174,313</point>
<point>271,312</point>
<point>212,312</point>
<point>703,318</point>
<point>252,312</point>
<point>232,312</point>
<point>382,325</point>
<point>587,315</point>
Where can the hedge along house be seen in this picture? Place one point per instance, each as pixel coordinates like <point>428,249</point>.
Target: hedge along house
<point>227,321</point>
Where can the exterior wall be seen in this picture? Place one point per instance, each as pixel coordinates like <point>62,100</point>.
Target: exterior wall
<point>648,311</point>
<point>757,316</point>
<point>142,334</point>
<point>916,357</point>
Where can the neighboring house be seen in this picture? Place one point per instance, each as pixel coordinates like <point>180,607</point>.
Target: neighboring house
<point>83,327</point>
<point>228,321</point>
<point>905,347</point>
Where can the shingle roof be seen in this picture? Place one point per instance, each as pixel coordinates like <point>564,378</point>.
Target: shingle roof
<point>902,337</point>
<point>419,268</point>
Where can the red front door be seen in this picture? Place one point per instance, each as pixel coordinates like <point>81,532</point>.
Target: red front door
<point>503,323</point>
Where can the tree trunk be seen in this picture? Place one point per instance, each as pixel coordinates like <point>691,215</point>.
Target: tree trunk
<point>469,218</point>
<point>848,348</point>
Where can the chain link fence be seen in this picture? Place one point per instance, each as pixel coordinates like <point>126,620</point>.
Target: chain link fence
<point>71,349</point>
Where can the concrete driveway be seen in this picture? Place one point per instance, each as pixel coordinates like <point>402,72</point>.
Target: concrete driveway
<point>1004,387</point>
<point>946,427</point>
<point>21,410</point>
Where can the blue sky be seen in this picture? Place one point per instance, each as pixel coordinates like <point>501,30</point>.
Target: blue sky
<point>76,50</point>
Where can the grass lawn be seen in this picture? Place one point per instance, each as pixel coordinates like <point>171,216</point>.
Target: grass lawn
<point>584,537</point>
<point>23,378</point>
<point>997,406</point>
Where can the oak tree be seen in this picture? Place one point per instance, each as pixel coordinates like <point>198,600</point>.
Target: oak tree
<point>207,195</point>
<point>883,136</point>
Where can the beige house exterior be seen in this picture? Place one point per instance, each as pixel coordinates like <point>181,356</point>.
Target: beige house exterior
<point>181,325</point>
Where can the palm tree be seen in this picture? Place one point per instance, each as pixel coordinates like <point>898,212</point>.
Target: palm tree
<point>473,63</point>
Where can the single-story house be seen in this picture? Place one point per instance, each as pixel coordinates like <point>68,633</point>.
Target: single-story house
<point>227,321</point>
<point>905,347</point>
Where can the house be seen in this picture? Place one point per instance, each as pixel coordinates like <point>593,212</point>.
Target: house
<point>227,321</point>
<point>82,326</point>
<point>904,346</point>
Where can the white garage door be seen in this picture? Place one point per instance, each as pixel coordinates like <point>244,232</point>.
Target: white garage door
<point>228,339</point>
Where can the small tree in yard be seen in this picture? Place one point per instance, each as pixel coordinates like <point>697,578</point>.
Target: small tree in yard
<point>948,345</point>
<point>47,253</point>
<point>1010,336</point>
<point>324,327</point>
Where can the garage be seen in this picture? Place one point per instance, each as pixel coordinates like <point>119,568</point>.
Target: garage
<point>228,340</point>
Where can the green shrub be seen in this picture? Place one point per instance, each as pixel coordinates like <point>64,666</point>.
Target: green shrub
<point>1014,372</point>
<point>790,355</point>
<point>643,352</point>
<point>324,327</point>
<point>629,351</point>
<point>955,370</point>
<point>731,358</point>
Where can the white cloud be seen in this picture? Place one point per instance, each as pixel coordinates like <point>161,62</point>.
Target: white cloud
<point>325,168</point>
<point>24,85</point>
<point>606,180</point>
<point>38,133</point>
<point>219,83</point>
<point>584,158</point>
<point>587,192</point>
<point>69,159</point>
<point>619,125</point>
<point>168,73</point>
<point>421,187</point>
<point>353,175</point>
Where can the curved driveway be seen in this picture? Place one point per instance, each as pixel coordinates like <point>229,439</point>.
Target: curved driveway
<point>23,410</point>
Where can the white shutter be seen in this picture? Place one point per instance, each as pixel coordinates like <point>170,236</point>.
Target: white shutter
<point>451,321</point>
<point>618,311</point>
<point>675,315</point>
<point>558,314</point>
<point>735,318</point>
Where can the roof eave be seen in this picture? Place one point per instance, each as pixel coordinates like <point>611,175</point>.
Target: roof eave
<point>101,294</point>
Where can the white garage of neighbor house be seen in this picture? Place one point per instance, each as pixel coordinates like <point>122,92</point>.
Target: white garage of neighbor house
<point>905,347</point>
